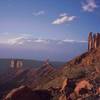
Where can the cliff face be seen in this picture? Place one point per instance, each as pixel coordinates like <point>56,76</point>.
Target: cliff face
<point>93,41</point>
<point>93,53</point>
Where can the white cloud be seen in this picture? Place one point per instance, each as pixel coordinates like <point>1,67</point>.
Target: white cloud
<point>63,18</point>
<point>74,41</point>
<point>89,5</point>
<point>38,13</point>
<point>39,40</point>
<point>23,40</point>
<point>17,40</point>
<point>28,39</point>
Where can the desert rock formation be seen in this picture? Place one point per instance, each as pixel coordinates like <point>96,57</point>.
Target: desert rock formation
<point>93,41</point>
<point>16,64</point>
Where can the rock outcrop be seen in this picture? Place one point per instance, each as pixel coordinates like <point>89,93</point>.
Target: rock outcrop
<point>83,85</point>
<point>25,93</point>
<point>93,41</point>
<point>16,64</point>
<point>45,69</point>
<point>90,41</point>
<point>80,90</point>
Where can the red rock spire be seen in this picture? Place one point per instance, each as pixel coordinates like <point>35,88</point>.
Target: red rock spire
<point>93,41</point>
<point>90,41</point>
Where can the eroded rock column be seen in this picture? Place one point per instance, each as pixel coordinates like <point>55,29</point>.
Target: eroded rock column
<point>90,42</point>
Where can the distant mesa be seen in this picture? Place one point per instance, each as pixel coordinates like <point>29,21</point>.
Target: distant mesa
<point>16,64</point>
<point>93,41</point>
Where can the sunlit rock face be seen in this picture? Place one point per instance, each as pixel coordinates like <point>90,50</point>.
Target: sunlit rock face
<point>93,41</point>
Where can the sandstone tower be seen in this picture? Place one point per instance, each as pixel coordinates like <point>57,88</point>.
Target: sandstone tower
<point>16,64</point>
<point>93,41</point>
<point>90,41</point>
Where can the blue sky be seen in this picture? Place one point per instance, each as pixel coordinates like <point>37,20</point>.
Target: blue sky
<point>41,21</point>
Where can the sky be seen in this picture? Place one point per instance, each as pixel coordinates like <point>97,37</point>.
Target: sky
<point>40,29</point>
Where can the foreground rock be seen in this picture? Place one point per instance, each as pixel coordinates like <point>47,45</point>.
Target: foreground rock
<point>25,93</point>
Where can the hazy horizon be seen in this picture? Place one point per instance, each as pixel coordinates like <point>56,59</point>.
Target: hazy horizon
<point>53,50</point>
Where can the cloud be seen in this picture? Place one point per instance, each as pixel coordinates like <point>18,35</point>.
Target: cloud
<point>63,18</point>
<point>31,41</point>
<point>39,40</point>
<point>17,40</point>
<point>38,13</point>
<point>28,39</point>
<point>23,41</point>
<point>12,38</point>
<point>74,41</point>
<point>89,5</point>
